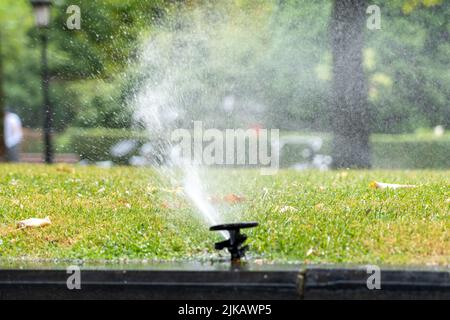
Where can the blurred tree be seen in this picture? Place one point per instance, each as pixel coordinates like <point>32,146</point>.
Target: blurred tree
<point>409,6</point>
<point>97,55</point>
<point>351,126</point>
<point>2,102</point>
<point>2,95</point>
<point>99,52</point>
<point>408,87</point>
<point>272,57</point>
<point>20,62</point>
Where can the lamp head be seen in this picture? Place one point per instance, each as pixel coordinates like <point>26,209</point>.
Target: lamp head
<point>41,10</point>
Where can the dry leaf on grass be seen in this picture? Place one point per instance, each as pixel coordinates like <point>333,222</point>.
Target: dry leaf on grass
<point>231,198</point>
<point>176,190</point>
<point>342,174</point>
<point>33,223</point>
<point>165,205</point>
<point>319,206</point>
<point>171,205</point>
<point>265,193</point>
<point>65,169</point>
<point>287,209</point>
<point>382,185</point>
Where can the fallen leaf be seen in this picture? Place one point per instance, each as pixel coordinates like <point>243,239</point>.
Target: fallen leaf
<point>152,189</point>
<point>233,198</point>
<point>173,191</point>
<point>101,190</point>
<point>288,209</point>
<point>382,185</point>
<point>33,223</point>
<point>65,169</point>
<point>165,205</point>
<point>229,198</point>
<point>342,174</point>
<point>310,252</point>
<point>447,201</point>
<point>259,261</point>
<point>319,206</point>
<point>265,193</point>
<point>171,205</point>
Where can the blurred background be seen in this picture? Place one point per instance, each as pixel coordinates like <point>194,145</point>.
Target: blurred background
<point>240,63</point>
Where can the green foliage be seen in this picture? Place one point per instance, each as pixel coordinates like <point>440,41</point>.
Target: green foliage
<point>407,151</point>
<point>272,56</point>
<point>107,38</point>
<point>411,152</point>
<point>101,110</point>
<point>98,52</point>
<point>409,6</point>
<point>20,73</point>
<point>261,56</point>
<point>274,60</point>
<point>411,51</point>
<point>95,144</point>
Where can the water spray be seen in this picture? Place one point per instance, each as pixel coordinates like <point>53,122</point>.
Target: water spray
<point>235,243</point>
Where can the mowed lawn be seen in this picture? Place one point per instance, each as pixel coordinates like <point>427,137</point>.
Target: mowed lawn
<point>310,216</point>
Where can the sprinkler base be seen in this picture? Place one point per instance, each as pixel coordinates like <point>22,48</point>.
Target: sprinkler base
<point>235,243</point>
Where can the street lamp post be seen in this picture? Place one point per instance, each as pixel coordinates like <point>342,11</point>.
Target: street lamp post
<point>41,9</point>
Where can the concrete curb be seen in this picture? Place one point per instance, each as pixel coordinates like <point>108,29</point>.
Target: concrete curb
<point>343,283</point>
<point>222,281</point>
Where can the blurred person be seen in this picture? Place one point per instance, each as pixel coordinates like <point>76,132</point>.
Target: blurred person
<point>13,135</point>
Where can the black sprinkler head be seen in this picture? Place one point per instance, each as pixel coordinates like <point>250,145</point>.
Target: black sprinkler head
<point>234,244</point>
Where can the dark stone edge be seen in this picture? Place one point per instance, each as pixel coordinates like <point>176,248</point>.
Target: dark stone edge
<point>296,283</point>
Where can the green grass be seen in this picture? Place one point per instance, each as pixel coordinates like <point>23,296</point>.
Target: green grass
<point>126,213</point>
